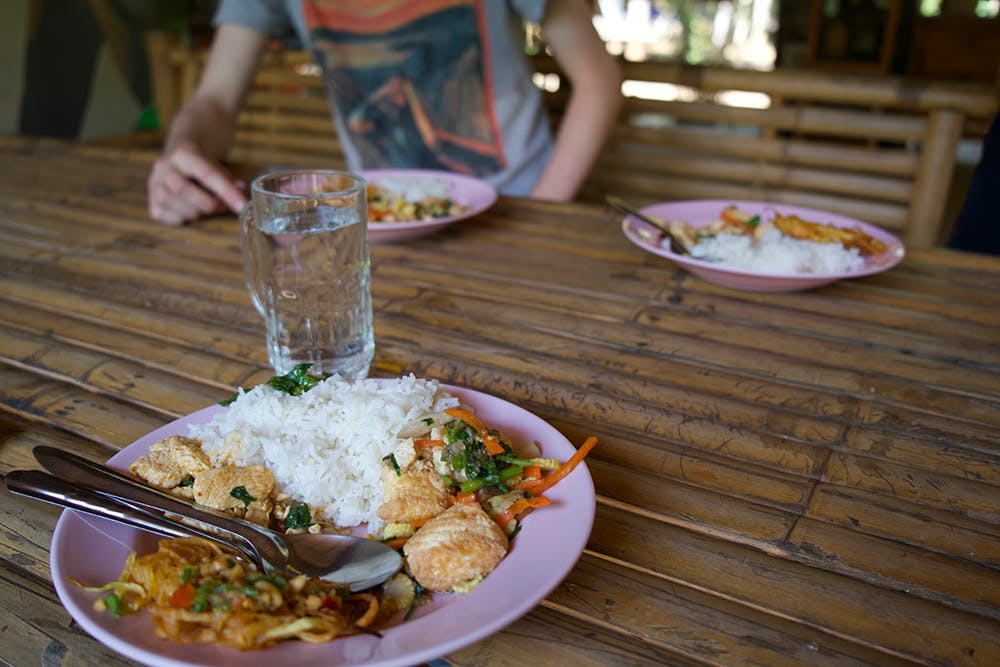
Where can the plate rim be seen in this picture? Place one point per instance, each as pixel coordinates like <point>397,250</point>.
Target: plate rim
<point>576,492</point>
<point>893,256</point>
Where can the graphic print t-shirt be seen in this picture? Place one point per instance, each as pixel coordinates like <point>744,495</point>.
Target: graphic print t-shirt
<point>411,89</point>
<point>434,84</point>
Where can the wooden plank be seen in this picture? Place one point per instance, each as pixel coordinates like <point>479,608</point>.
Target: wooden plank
<point>696,623</point>
<point>41,329</point>
<point>97,371</point>
<point>920,630</point>
<point>755,146</point>
<point>105,420</point>
<point>667,163</point>
<point>953,581</point>
<point>893,518</point>
<point>238,344</point>
<point>929,489</point>
<point>20,437</point>
<point>803,119</point>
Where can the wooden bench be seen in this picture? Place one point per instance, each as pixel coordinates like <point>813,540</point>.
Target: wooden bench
<point>877,148</point>
<point>286,118</point>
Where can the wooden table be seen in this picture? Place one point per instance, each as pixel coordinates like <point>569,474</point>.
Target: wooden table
<point>781,479</point>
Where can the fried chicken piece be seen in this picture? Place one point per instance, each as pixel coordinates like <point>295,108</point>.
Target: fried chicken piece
<point>796,227</point>
<point>244,490</point>
<point>456,548</point>
<point>418,492</point>
<point>171,461</point>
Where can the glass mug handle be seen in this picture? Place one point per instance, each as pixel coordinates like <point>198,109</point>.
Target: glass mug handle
<point>249,265</point>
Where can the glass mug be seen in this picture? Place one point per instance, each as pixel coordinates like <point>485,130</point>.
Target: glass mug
<point>305,252</point>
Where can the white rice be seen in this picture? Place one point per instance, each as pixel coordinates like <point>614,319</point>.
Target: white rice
<point>777,253</point>
<point>325,446</point>
<point>414,190</point>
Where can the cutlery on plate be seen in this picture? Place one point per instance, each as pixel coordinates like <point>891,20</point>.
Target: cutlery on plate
<point>675,244</point>
<point>357,561</point>
<point>39,485</point>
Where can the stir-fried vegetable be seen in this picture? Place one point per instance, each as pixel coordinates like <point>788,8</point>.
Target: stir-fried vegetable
<point>483,461</point>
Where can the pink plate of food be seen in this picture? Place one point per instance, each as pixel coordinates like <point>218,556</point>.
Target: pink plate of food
<point>93,551</point>
<point>781,248</point>
<point>405,204</point>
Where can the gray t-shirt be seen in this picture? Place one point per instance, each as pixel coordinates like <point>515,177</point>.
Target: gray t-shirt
<point>424,85</point>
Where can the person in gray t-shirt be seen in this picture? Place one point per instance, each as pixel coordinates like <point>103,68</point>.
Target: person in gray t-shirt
<point>413,84</point>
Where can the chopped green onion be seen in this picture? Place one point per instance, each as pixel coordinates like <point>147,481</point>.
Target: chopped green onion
<point>241,494</point>
<point>298,517</point>
<point>114,604</point>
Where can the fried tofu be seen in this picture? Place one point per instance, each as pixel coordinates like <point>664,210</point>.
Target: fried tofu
<point>418,492</point>
<point>456,548</point>
<point>171,461</point>
<point>244,490</point>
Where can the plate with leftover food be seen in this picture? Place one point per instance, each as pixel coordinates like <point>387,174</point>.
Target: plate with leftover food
<point>405,204</point>
<point>765,247</point>
<point>449,461</point>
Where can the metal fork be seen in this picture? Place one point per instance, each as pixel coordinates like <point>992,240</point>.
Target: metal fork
<point>357,561</point>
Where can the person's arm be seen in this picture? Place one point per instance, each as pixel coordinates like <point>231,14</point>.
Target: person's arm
<point>189,181</point>
<point>593,104</point>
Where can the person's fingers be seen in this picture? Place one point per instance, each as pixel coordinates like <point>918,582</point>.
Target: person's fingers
<point>188,191</point>
<point>175,198</point>
<point>168,208</point>
<point>210,176</point>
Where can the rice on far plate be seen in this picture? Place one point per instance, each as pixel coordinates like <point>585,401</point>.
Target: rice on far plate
<point>324,446</point>
<point>773,252</point>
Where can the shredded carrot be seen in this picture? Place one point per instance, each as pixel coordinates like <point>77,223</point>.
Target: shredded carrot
<point>428,442</point>
<point>737,217</point>
<point>183,597</point>
<point>544,484</point>
<point>492,446</point>
<point>519,506</point>
<point>464,497</point>
<point>531,473</point>
<point>397,542</point>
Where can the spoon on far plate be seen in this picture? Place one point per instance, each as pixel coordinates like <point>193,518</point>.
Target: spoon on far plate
<point>676,245</point>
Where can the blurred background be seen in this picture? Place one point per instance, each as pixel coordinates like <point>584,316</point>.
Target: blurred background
<point>78,68</point>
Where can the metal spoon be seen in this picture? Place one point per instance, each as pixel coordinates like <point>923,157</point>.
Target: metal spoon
<point>39,485</point>
<point>356,561</point>
<point>675,244</point>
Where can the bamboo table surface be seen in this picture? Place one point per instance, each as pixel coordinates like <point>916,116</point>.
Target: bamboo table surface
<point>781,478</point>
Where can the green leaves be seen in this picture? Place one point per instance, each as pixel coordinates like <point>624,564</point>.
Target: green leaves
<point>298,517</point>
<point>295,383</point>
<point>241,494</point>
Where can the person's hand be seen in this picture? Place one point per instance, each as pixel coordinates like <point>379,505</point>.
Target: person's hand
<point>184,185</point>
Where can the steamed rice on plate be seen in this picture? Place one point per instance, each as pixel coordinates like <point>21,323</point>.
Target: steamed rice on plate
<point>325,446</point>
<point>773,252</point>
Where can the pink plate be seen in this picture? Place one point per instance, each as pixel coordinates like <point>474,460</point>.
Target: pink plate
<point>474,194</point>
<point>93,551</point>
<point>701,212</point>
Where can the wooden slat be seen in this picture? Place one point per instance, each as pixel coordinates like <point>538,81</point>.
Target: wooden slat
<point>794,151</point>
<point>840,123</point>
